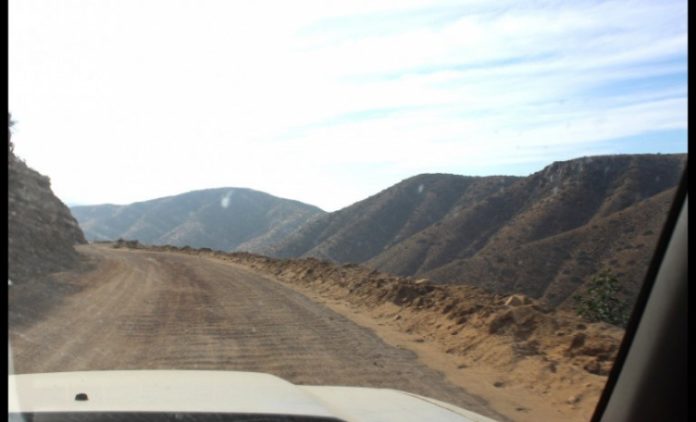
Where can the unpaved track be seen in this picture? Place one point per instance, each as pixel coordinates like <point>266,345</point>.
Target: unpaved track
<point>157,310</point>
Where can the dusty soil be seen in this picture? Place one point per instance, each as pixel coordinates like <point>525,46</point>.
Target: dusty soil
<point>153,310</point>
<point>529,362</point>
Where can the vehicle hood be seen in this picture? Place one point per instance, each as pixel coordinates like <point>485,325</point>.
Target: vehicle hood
<point>219,392</point>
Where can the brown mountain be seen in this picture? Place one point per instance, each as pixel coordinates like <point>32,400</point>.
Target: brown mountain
<point>544,235</point>
<point>41,230</point>
<point>223,218</point>
<point>552,268</point>
<point>382,221</point>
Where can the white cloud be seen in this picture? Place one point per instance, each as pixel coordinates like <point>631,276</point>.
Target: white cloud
<point>328,102</point>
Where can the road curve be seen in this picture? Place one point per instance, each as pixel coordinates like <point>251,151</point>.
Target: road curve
<point>158,310</point>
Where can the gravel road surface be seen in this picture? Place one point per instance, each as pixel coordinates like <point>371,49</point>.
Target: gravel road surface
<point>158,310</point>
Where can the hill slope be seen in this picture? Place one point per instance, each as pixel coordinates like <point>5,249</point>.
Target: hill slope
<point>367,228</point>
<point>544,235</point>
<point>223,218</point>
<point>41,230</point>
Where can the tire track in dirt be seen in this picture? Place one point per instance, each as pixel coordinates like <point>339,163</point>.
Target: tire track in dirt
<point>157,310</point>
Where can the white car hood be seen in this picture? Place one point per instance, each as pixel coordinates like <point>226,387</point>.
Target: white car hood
<point>219,392</point>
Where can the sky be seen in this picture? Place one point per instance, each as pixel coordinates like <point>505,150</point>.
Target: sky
<point>328,102</point>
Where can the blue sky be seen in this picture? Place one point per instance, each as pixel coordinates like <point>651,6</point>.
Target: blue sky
<point>329,102</point>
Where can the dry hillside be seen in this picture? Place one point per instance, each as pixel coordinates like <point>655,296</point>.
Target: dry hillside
<point>223,218</point>
<point>544,235</point>
<point>382,221</point>
<point>41,230</point>
<point>554,267</point>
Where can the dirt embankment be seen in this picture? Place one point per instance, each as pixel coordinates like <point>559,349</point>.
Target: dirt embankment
<point>41,231</point>
<point>41,236</point>
<point>551,355</point>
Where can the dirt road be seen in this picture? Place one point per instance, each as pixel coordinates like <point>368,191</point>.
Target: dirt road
<point>157,310</point>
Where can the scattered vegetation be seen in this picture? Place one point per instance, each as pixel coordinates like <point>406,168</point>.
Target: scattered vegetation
<point>122,243</point>
<point>600,301</point>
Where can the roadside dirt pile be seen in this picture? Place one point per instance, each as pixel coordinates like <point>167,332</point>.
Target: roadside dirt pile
<point>460,316</point>
<point>499,330</point>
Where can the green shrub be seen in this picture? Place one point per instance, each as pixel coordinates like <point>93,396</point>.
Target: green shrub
<point>600,301</point>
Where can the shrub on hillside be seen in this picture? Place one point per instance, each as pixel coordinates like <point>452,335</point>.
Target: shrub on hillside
<point>600,301</point>
<point>122,243</point>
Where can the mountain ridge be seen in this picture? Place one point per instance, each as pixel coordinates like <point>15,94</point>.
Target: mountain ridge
<point>476,238</point>
<point>544,235</point>
<point>197,218</point>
